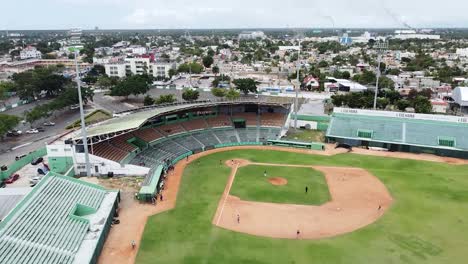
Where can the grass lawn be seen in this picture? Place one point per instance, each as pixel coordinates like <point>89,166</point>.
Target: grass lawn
<point>305,135</point>
<point>426,224</point>
<point>94,117</point>
<point>251,185</point>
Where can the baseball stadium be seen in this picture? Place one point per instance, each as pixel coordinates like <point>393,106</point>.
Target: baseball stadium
<point>221,182</point>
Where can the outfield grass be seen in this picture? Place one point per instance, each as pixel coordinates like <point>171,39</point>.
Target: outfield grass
<point>251,185</point>
<point>427,223</point>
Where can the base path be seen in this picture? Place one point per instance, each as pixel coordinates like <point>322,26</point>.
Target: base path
<point>133,215</point>
<point>357,200</point>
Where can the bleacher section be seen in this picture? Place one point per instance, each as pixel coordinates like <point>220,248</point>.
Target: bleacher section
<point>219,121</point>
<point>207,139</point>
<point>226,135</point>
<point>204,133</point>
<point>108,151</point>
<point>188,142</point>
<point>196,124</point>
<point>121,142</point>
<point>247,134</point>
<point>250,118</point>
<point>269,133</point>
<point>148,134</point>
<point>172,129</point>
<point>272,119</point>
<point>441,135</point>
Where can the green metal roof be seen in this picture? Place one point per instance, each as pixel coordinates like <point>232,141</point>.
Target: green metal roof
<point>45,227</point>
<point>132,120</point>
<point>152,186</point>
<point>406,131</point>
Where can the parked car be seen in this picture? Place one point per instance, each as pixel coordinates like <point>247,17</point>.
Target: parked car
<point>12,179</point>
<point>2,184</point>
<point>35,180</point>
<point>73,107</point>
<point>32,131</point>
<point>49,124</point>
<point>14,133</point>
<point>40,129</point>
<point>37,161</point>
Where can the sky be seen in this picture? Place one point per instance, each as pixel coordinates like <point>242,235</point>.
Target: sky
<point>173,14</point>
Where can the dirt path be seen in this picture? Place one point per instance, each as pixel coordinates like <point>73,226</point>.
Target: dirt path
<point>357,199</point>
<point>133,215</point>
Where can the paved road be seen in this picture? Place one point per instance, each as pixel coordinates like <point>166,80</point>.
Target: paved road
<point>16,146</point>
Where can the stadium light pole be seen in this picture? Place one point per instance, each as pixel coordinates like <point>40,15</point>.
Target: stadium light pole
<point>82,118</point>
<point>381,47</point>
<point>297,85</point>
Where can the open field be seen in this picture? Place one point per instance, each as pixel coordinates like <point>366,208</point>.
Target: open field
<point>251,185</point>
<point>425,223</point>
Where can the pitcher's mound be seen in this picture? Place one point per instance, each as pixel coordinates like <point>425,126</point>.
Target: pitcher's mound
<point>278,181</point>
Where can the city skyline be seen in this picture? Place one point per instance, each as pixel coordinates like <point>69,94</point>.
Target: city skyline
<point>145,14</point>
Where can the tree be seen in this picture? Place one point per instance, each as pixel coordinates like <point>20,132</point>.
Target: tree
<point>268,70</point>
<point>148,100</point>
<point>215,70</point>
<point>105,82</point>
<point>246,85</point>
<point>172,72</point>
<point>190,95</point>
<point>385,82</point>
<point>30,84</point>
<point>219,79</point>
<point>323,64</point>
<point>403,104</point>
<point>193,67</point>
<point>422,105</point>
<point>134,84</point>
<point>5,88</point>
<point>165,99</point>
<point>232,94</point>
<point>207,61</point>
<point>218,92</point>
<point>7,122</point>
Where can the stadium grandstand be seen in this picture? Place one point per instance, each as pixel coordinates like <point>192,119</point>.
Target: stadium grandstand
<point>148,141</point>
<point>62,220</point>
<point>396,131</point>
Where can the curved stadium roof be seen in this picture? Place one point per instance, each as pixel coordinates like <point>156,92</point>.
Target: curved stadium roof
<point>134,119</point>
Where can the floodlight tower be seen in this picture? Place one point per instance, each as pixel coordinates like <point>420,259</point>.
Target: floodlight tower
<point>82,118</point>
<point>298,84</point>
<point>381,48</point>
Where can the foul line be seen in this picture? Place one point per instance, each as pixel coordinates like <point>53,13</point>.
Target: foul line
<point>226,192</point>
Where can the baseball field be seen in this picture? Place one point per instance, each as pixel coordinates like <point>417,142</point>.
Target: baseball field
<point>423,217</point>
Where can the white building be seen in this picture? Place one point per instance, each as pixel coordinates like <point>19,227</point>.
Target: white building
<point>460,95</point>
<point>161,70</point>
<point>462,52</point>
<point>343,85</point>
<point>138,65</point>
<point>137,50</point>
<point>30,53</point>
<point>248,35</point>
<point>411,34</point>
<point>116,70</point>
<point>75,37</point>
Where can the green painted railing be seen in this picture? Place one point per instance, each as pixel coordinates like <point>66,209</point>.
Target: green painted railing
<point>224,145</point>
<point>181,157</point>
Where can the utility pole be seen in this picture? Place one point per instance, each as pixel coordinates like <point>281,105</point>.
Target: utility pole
<point>381,47</point>
<point>83,124</point>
